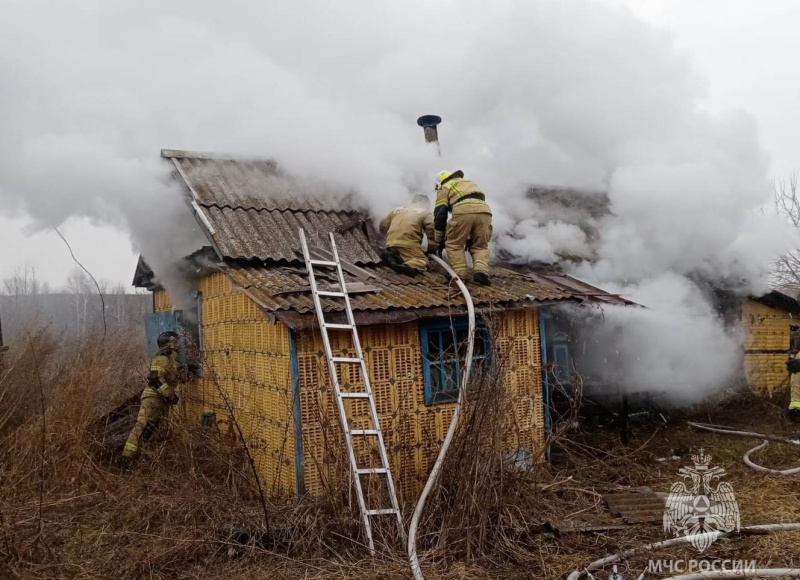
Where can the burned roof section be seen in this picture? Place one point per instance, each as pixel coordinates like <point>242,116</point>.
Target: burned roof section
<point>250,210</point>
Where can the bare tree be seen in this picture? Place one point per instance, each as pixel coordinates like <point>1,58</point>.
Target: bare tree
<point>787,203</point>
<point>81,288</point>
<point>24,282</point>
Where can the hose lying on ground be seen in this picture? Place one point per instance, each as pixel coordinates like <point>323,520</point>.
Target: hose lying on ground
<point>602,562</point>
<point>767,438</point>
<point>757,573</point>
<point>437,466</point>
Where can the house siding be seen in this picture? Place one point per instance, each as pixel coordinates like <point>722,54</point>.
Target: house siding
<point>412,431</point>
<point>247,366</point>
<point>766,346</point>
<point>248,361</point>
<point>161,301</point>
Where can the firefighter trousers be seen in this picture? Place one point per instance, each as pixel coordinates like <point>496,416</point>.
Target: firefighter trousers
<point>151,410</point>
<point>475,228</point>
<point>413,257</point>
<point>794,389</point>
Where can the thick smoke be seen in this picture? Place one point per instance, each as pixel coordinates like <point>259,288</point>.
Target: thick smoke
<point>566,92</point>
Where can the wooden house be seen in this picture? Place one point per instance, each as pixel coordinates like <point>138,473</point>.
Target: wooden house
<point>263,359</point>
<point>769,323</point>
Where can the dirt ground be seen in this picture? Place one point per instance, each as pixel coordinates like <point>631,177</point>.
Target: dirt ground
<point>65,514</point>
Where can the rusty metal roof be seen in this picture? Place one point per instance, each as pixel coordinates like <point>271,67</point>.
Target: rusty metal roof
<point>286,288</point>
<point>252,211</point>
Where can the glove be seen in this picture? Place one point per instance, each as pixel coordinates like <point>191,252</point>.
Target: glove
<point>173,399</point>
<point>432,249</point>
<point>439,250</point>
<point>194,369</point>
<point>793,365</point>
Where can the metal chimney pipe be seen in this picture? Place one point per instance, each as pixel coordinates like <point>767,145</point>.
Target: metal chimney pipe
<point>428,124</point>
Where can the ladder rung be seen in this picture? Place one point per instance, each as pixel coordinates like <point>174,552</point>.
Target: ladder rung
<point>344,359</point>
<point>339,326</point>
<point>363,431</point>
<point>354,395</point>
<point>326,263</point>
<point>383,512</point>
<point>332,293</point>
<point>366,470</point>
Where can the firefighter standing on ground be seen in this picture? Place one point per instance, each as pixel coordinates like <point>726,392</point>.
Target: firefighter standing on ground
<point>404,228</point>
<point>793,366</point>
<point>159,394</point>
<point>470,228</point>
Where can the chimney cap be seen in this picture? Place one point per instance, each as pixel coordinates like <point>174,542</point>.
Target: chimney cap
<point>429,121</point>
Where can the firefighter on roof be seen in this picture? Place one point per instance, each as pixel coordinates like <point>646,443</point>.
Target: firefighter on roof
<point>470,228</point>
<point>404,228</point>
<point>158,395</point>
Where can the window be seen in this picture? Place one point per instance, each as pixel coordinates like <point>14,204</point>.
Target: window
<point>561,363</point>
<point>444,346</point>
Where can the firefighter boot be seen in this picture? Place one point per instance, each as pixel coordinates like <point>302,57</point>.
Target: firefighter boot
<point>481,278</point>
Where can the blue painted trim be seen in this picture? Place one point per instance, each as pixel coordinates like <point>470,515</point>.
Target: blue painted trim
<point>426,364</point>
<point>545,386</point>
<point>439,325</point>
<point>299,466</point>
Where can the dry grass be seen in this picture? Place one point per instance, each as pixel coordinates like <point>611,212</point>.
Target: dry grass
<point>188,511</point>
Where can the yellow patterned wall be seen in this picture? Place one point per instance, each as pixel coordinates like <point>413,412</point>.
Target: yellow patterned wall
<point>161,301</point>
<point>412,431</point>
<point>766,346</point>
<point>247,365</point>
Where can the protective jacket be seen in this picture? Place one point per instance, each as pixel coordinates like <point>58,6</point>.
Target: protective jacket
<point>156,398</point>
<point>405,225</point>
<point>163,378</point>
<point>457,196</point>
<point>794,388</point>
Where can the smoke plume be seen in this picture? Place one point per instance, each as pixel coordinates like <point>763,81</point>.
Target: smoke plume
<point>567,92</point>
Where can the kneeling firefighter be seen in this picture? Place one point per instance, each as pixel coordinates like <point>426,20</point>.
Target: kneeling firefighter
<point>404,228</point>
<point>470,228</point>
<point>159,394</point>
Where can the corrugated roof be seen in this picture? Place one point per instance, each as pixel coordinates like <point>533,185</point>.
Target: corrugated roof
<point>273,234</point>
<point>286,288</point>
<point>253,211</point>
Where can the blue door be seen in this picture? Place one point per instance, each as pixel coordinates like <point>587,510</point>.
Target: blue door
<point>158,322</point>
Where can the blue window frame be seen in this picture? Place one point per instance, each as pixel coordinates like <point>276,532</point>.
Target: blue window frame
<point>444,345</point>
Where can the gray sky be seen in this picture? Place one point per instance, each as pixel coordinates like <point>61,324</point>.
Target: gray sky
<point>744,50</point>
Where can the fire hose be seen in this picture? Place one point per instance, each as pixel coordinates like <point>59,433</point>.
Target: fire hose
<point>744,573</point>
<point>766,439</point>
<point>437,466</point>
<point>602,562</point>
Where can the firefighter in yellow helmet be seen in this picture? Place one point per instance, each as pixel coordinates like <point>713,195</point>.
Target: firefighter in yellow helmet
<point>158,395</point>
<point>470,228</point>
<point>404,228</point>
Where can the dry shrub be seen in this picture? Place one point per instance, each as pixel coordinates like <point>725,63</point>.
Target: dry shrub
<point>189,509</point>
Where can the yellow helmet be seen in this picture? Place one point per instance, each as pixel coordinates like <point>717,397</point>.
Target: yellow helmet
<point>445,175</point>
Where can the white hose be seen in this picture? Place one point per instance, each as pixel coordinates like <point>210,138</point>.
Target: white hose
<point>602,562</point>
<point>741,573</point>
<point>437,466</point>
<point>752,465</point>
<point>767,438</point>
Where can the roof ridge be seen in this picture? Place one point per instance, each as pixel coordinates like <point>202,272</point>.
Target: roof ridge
<point>279,209</point>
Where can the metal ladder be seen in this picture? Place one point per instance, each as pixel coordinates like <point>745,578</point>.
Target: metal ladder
<point>324,326</point>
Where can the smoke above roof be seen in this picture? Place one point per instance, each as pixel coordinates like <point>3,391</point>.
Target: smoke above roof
<point>566,92</point>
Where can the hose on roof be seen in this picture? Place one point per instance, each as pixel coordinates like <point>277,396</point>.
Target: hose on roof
<point>437,466</point>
